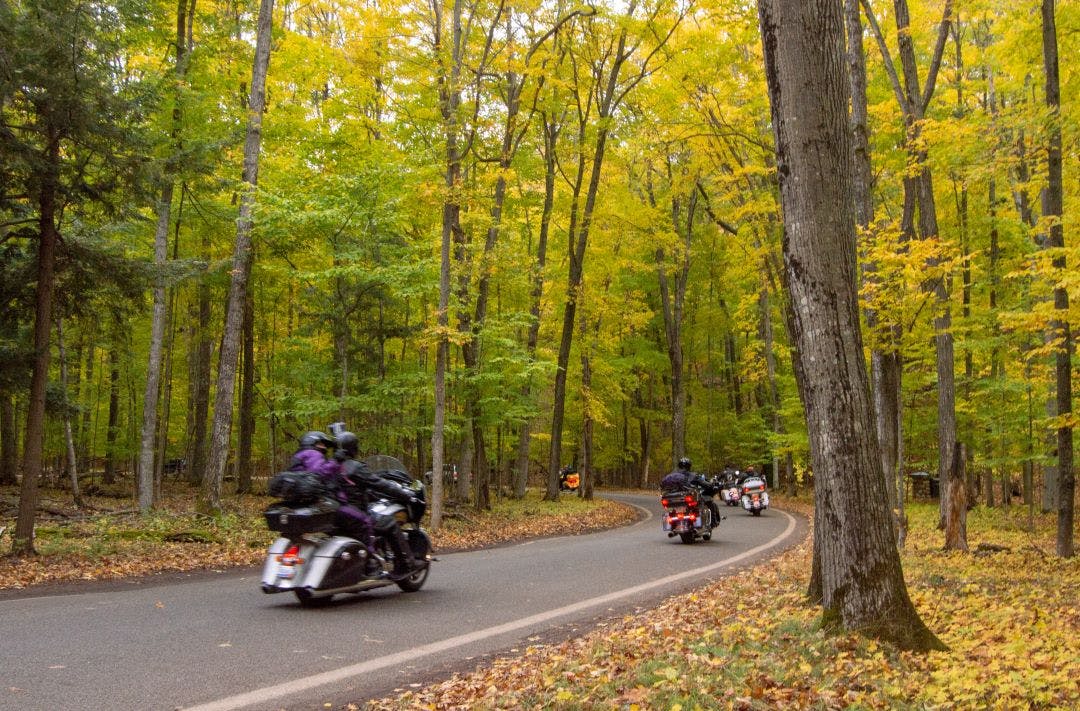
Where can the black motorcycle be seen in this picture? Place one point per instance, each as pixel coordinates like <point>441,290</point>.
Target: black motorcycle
<point>314,561</point>
<point>688,514</point>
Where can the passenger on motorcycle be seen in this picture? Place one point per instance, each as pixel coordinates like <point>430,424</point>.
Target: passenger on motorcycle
<point>683,477</point>
<point>311,457</point>
<point>360,483</point>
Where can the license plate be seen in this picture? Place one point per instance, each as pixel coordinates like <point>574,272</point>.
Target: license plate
<point>286,574</point>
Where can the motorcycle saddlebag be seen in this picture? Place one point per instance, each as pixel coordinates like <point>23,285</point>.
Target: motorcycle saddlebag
<point>298,487</point>
<point>294,521</point>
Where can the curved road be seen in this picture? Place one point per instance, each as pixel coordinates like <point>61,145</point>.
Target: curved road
<point>218,643</point>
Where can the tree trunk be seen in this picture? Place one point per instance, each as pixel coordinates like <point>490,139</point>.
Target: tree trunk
<point>551,136</point>
<point>607,99</point>
<point>450,99</point>
<point>862,584</point>
<point>201,355</point>
<point>159,316</point>
<point>1053,209</point>
<point>69,439</point>
<point>244,464</point>
<point>9,455</point>
<point>109,477</point>
<point>210,492</point>
<point>956,502</point>
<point>157,338</point>
<point>34,435</point>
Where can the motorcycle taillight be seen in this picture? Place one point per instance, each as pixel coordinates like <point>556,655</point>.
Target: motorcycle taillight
<point>691,502</point>
<point>664,502</point>
<point>291,556</point>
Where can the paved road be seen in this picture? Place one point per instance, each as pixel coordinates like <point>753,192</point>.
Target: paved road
<point>219,643</point>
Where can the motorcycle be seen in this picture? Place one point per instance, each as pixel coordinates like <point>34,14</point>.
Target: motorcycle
<point>569,480</point>
<point>687,515</point>
<point>314,562</point>
<point>730,492</point>
<point>754,497</point>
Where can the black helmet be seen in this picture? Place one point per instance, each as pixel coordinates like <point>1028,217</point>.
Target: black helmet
<point>316,440</point>
<point>349,443</point>
<point>684,464</point>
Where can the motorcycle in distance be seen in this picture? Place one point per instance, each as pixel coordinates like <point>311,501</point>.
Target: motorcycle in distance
<point>730,492</point>
<point>314,562</point>
<point>687,514</point>
<point>754,497</point>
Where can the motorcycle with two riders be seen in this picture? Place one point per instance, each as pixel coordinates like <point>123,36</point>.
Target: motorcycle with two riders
<point>315,559</point>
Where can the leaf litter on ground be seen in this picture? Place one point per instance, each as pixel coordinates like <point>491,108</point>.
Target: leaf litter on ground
<point>1011,619</point>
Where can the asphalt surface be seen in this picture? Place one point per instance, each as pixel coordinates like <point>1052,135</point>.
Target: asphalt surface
<point>218,643</point>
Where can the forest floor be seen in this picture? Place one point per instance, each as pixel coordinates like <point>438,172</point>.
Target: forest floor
<point>1009,611</point>
<point>107,539</point>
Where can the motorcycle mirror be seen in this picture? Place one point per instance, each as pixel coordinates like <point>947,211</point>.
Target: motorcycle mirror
<point>336,428</point>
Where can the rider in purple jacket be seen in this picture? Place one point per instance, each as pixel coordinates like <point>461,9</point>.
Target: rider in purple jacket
<point>311,457</point>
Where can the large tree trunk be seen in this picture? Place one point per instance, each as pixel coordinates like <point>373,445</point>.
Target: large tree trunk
<point>220,439</point>
<point>862,584</point>
<point>1053,209</point>
<point>34,435</point>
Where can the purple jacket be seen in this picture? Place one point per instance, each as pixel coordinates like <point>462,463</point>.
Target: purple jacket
<point>312,460</point>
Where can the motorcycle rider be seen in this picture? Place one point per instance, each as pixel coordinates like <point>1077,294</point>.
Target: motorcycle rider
<point>683,476</point>
<point>361,481</point>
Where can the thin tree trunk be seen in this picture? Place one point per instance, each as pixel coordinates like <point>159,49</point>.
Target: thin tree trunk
<point>450,98</point>
<point>244,464</point>
<point>157,337</point>
<point>9,455</point>
<point>210,492</point>
<point>109,478</point>
<point>551,137</point>
<point>69,439</point>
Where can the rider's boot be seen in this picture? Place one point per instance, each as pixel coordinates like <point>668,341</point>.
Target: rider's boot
<point>404,562</point>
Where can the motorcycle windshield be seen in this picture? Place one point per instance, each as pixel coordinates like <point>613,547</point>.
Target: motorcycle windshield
<point>379,463</point>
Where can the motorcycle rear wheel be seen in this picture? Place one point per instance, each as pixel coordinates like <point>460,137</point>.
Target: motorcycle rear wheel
<point>415,581</point>
<point>687,537</point>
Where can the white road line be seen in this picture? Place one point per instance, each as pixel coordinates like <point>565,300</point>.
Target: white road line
<point>269,693</point>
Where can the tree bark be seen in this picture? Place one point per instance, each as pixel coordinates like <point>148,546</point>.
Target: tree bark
<point>244,464</point>
<point>1053,209</point>
<point>159,316</point>
<point>69,438</point>
<point>9,455</point>
<point>220,439</point>
<point>862,584</point>
<point>34,435</point>
<point>450,98</point>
